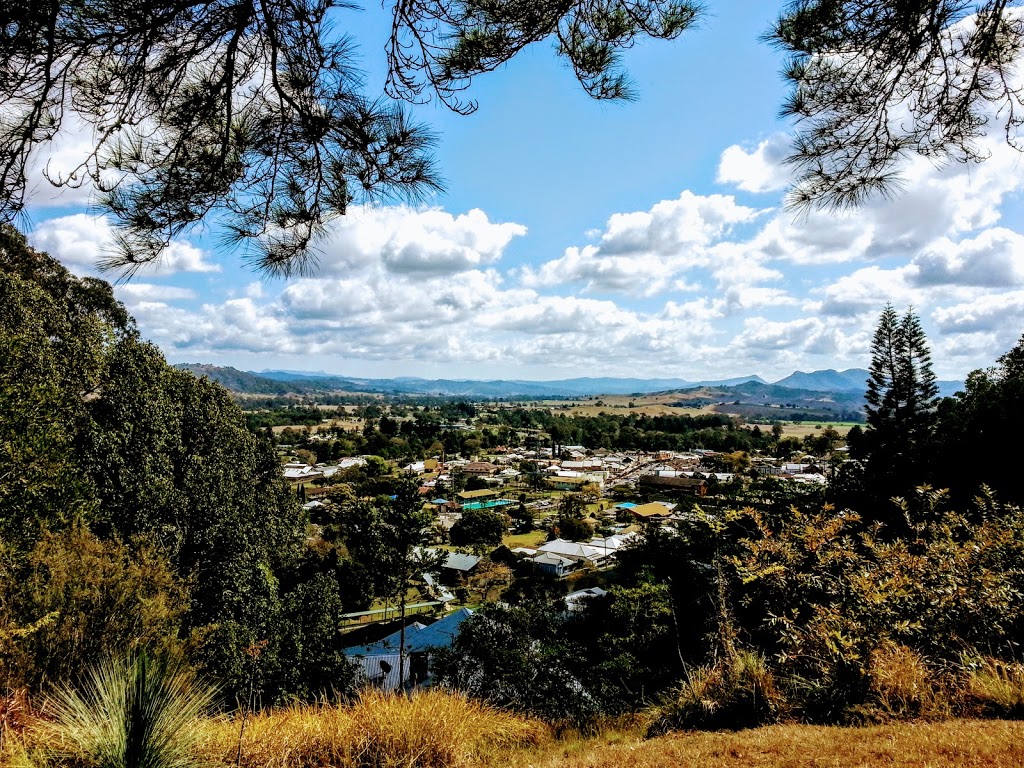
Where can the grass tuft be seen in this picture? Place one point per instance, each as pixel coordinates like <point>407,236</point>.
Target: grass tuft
<point>432,729</point>
<point>903,687</point>
<point>996,688</point>
<point>128,713</point>
<point>739,692</point>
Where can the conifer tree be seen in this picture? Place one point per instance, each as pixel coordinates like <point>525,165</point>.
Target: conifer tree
<point>902,397</point>
<point>918,379</point>
<point>882,392</point>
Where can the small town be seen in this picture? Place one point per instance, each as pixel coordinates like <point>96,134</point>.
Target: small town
<point>488,383</point>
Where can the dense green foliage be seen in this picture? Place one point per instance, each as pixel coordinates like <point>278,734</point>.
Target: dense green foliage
<point>479,527</point>
<point>184,523</point>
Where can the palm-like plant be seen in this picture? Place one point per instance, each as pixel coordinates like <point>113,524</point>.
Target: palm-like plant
<point>135,712</point>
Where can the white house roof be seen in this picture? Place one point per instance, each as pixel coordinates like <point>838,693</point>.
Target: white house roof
<point>611,543</point>
<point>575,601</point>
<point>547,558</point>
<point>572,549</point>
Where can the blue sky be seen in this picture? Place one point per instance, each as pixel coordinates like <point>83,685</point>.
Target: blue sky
<point>584,238</point>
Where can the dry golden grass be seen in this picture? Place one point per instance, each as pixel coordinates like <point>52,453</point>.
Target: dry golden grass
<point>948,744</point>
<point>902,686</point>
<point>436,729</point>
<point>997,688</point>
<point>433,729</point>
<point>802,429</point>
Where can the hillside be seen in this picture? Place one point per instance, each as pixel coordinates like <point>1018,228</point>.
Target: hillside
<point>818,395</point>
<point>496,388</point>
<point>294,382</point>
<point>240,381</point>
<point>850,380</point>
<point>755,400</point>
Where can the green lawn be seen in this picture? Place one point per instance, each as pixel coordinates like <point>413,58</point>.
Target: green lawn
<point>531,539</point>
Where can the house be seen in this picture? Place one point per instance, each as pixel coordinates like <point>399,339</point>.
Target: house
<point>693,485</point>
<point>480,468</point>
<point>567,483</point>
<point>553,564</point>
<point>656,510</point>
<point>447,520</point>
<point>378,664</point>
<point>351,461</point>
<point>612,544</point>
<point>460,563</point>
<point>481,495</point>
<point>575,551</point>
<point>301,473</point>
<point>577,601</point>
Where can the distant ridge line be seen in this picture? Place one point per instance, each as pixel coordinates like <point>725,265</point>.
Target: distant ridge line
<point>849,382</point>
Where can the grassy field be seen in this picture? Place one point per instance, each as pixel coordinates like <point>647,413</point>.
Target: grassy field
<point>531,539</point>
<point>648,405</point>
<point>347,424</point>
<point>948,744</point>
<point>802,429</point>
<point>435,729</point>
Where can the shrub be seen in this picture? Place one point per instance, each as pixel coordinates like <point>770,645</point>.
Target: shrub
<point>739,692</point>
<point>903,687</point>
<point>76,598</point>
<point>131,713</point>
<point>996,688</point>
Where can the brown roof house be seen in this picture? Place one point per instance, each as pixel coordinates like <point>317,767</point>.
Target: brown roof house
<point>694,485</point>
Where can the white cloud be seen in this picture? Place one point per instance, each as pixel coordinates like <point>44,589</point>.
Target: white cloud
<point>132,293</point>
<point>993,259</point>
<point>760,170</point>
<point>1002,314</point>
<point>646,252</point>
<point>424,242</point>
<point>79,241</point>
<point>866,290</point>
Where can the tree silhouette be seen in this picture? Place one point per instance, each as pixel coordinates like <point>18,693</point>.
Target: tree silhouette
<point>901,406</point>
<point>254,113</point>
<point>874,82</point>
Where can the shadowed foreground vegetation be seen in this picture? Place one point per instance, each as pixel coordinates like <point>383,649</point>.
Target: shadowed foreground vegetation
<point>443,730</point>
<point>434,729</point>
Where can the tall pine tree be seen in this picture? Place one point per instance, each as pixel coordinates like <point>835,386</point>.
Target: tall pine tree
<point>919,384</point>
<point>883,381</point>
<point>902,397</point>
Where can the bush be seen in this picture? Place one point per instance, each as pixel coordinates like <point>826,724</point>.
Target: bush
<point>479,527</point>
<point>130,713</point>
<point>739,692</point>
<point>995,688</point>
<point>903,687</point>
<point>75,598</point>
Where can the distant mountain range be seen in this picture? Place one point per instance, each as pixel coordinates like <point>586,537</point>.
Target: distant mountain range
<point>849,382</point>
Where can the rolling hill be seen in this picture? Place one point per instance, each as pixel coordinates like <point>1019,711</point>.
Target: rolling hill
<point>843,389</point>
